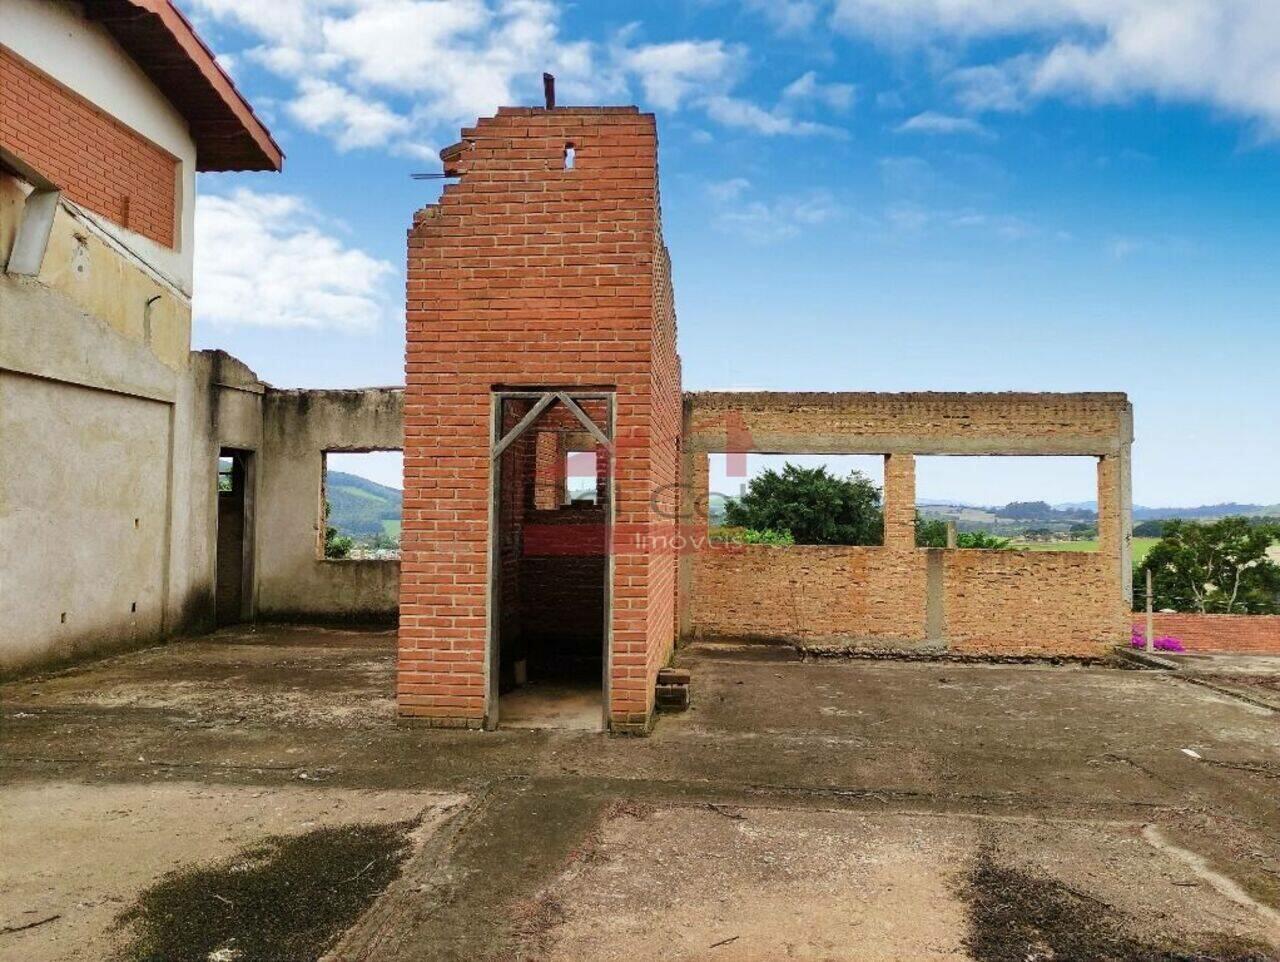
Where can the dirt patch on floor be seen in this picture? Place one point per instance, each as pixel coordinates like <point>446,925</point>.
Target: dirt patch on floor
<point>284,899</point>
<point>80,855</point>
<point>1018,917</point>
<point>750,884</point>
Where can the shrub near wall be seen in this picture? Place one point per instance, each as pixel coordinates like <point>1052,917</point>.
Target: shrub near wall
<point>1242,634</point>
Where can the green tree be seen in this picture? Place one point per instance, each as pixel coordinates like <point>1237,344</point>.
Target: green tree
<point>335,545</point>
<point>980,539</point>
<point>932,533</point>
<point>1216,567</point>
<point>815,506</point>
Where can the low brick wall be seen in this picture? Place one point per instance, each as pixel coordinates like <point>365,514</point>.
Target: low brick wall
<point>810,592</point>
<point>991,603</point>
<point>1030,602</point>
<point>988,602</point>
<point>1247,634</point>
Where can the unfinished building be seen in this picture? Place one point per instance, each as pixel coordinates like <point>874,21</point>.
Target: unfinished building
<point>117,530</point>
<point>540,326</point>
<point>554,536</point>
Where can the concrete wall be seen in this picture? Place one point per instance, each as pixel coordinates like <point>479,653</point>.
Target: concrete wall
<point>111,426</point>
<point>87,414</point>
<point>294,580</point>
<point>98,276</point>
<point>84,542</point>
<point>107,478</point>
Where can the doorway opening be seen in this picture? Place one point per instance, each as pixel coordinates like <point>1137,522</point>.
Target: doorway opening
<point>233,593</point>
<point>551,566</point>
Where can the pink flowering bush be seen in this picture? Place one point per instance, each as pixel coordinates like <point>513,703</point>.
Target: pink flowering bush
<point>1160,643</point>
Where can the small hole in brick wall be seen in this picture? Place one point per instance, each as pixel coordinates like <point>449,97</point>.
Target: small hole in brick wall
<point>569,156</point>
<point>133,606</point>
<point>1044,503</point>
<point>63,619</point>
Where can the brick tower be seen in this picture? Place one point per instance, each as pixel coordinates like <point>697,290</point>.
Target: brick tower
<point>540,325</point>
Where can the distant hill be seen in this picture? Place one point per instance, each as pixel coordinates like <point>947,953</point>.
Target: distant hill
<point>1088,510</point>
<point>1143,513</point>
<point>362,508</point>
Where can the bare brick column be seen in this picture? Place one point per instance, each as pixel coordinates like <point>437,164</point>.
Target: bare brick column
<point>900,502</point>
<point>695,484</point>
<point>1115,533</point>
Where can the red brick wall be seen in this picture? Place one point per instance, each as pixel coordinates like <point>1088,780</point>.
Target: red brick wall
<point>664,466</point>
<point>527,274</point>
<point>1258,634</point>
<point>97,161</point>
<point>1031,602</point>
<point>810,592</point>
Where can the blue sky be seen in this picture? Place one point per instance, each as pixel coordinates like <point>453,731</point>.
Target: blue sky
<point>857,194</point>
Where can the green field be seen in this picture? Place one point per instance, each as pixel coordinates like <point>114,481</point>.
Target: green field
<point>391,528</point>
<point>1140,546</point>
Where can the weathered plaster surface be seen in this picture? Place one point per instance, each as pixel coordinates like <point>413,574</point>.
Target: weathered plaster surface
<point>294,580</point>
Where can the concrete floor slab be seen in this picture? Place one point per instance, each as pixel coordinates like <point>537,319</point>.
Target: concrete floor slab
<point>814,743</point>
<point>78,854</point>
<point>750,884</point>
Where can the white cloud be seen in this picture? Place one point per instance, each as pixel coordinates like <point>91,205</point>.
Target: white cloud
<point>765,221</point>
<point>990,87</point>
<point>671,72</point>
<point>806,88</point>
<point>913,219</point>
<point>788,16</point>
<point>284,21</point>
<point>1223,53</point>
<point>724,191</point>
<point>267,260</point>
<point>1120,248</point>
<point>733,112</point>
<point>351,120</point>
<point>931,122</point>
<point>370,70</point>
<point>404,75</point>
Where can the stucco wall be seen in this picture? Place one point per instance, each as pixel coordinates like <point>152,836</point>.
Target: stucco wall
<point>108,486</point>
<point>293,580</point>
<point>85,542</point>
<point>86,417</point>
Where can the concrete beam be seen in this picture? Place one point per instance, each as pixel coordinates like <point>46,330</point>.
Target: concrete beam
<point>32,238</point>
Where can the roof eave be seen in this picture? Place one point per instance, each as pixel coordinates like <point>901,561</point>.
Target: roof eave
<point>228,134</point>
